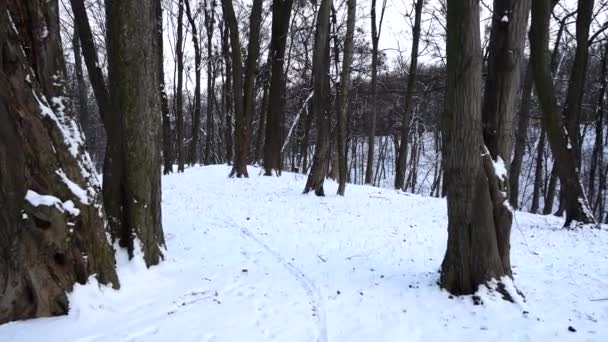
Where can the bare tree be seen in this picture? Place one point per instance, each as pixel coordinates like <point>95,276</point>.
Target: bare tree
<point>196,118</point>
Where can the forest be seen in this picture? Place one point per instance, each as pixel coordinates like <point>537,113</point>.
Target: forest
<point>296,170</point>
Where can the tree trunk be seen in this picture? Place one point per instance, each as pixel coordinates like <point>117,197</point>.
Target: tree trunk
<point>411,87</point>
<point>239,167</point>
<point>538,173</point>
<point>281,12</point>
<point>133,75</point>
<point>196,122</point>
<point>164,102</point>
<point>51,233</point>
<point>320,110</point>
<point>228,89</point>
<point>83,108</point>
<point>479,215</point>
<point>577,208</point>
<point>209,20</point>
<point>576,88</point>
<point>521,138</point>
<point>371,135</point>
<point>179,107</point>
<point>343,94</point>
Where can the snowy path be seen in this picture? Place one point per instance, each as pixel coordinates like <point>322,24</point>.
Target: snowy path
<point>254,260</point>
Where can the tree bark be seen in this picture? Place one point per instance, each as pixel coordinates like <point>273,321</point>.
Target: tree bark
<point>320,110</point>
<point>479,216</point>
<point>52,230</point>
<point>209,21</point>
<point>538,173</point>
<point>577,208</point>
<point>281,13</point>
<point>134,79</point>
<point>228,89</point>
<point>343,94</point>
<point>411,87</point>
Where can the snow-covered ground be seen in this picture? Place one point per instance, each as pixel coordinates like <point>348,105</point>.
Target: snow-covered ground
<point>255,260</point>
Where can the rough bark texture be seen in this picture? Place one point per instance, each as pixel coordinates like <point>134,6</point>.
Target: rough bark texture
<point>45,246</point>
<point>479,215</point>
<point>281,12</point>
<point>577,208</point>
<point>239,168</point>
<point>320,110</point>
<point>228,99</point>
<point>134,79</point>
<point>209,24</point>
<point>343,93</point>
<point>411,87</point>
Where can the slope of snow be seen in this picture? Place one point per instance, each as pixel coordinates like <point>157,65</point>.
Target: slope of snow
<point>255,260</point>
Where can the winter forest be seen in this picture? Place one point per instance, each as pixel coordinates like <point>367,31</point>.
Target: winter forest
<point>303,170</point>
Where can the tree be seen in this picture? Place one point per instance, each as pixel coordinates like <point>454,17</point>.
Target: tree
<point>133,79</point>
<point>371,136</point>
<point>343,92</point>
<point>411,86</point>
<point>577,208</point>
<point>167,145</point>
<point>476,142</point>
<point>52,230</point>
<point>281,12</point>
<point>318,171</point>
<point>209,24</point>
<point>196,122</point>
<point>239,167</point>
<point>179,107</point>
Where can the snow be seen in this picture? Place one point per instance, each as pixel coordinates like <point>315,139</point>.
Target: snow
<point>36,200</point>
<point>499,168</point>
<point>504,19</point>
<point>255,260</point>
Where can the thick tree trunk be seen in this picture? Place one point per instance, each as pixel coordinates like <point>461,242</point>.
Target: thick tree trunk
<point>52,230</point>
<point>239,167</point>
<point>479,215</point>
<point>320,110</point>
<point>179,106</point>
<point>577,208</point>
<point>281,13</point>
<point>411,87</point>
<point>133,75</point>
<point>196,122</point>
<point>343,94</point>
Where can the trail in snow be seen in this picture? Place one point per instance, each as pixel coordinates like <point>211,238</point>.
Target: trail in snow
<point>312,291</point>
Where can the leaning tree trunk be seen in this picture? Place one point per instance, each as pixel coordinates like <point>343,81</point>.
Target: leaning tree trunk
<point>239,168</point>
<point>343,93</point>
<point>52,222</point>
<point>133,75</point>
<point>281,12</point>
<point>320,109</point>
<point>479,216</point>
<point>411,86</point>
<point>577,208</point>
<point>576,88</point>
